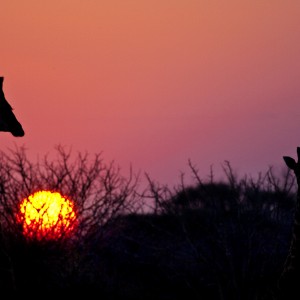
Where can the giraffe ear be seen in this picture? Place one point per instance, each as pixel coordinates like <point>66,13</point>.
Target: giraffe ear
<point>290,162</point>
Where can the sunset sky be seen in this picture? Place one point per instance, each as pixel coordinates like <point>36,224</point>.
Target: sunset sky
<point>155,83</point>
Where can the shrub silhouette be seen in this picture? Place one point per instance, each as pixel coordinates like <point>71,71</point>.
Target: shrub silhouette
<point>100,194</point>
<point>209,240</point>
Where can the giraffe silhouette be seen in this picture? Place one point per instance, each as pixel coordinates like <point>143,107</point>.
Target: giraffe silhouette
<point>8,120</point>
<point>8,123</point>
<point>290,276</point>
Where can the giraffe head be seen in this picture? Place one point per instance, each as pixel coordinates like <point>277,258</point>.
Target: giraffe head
<point>8,120</point>
<point>293,165</point>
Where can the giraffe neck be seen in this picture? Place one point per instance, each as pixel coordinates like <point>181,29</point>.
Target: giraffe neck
<point>289,279</point>
<point>292,265</point>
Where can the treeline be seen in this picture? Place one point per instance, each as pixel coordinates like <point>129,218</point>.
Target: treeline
<point>209,240</point>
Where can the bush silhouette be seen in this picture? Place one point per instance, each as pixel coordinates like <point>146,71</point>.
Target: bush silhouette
<point>100,195</point>
<point>210,240</point>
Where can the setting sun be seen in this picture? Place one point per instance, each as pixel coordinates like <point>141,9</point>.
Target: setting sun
<point>46,215</point>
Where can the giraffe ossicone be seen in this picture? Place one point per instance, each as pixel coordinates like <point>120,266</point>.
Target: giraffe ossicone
<point>8,120</point>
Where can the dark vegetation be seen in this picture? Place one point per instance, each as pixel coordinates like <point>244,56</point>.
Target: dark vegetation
<point>210,240</point>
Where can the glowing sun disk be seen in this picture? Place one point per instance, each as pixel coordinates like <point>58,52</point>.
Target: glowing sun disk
<point>46,214</point>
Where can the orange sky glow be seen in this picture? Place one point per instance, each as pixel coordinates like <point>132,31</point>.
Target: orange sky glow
<point>155,83</point>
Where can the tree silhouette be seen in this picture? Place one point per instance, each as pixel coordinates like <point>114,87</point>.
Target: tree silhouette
<point>100,194</point>
<point>208,240</point>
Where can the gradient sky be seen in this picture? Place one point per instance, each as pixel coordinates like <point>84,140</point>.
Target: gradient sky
<point>155,83</point>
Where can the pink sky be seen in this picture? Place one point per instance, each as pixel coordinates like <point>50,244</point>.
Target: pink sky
<point>155,83</point>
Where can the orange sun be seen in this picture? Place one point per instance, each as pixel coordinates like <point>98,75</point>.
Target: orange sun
<point>46,215</point>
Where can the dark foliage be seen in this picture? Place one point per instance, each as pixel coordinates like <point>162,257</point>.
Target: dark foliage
<point>212,240</point>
